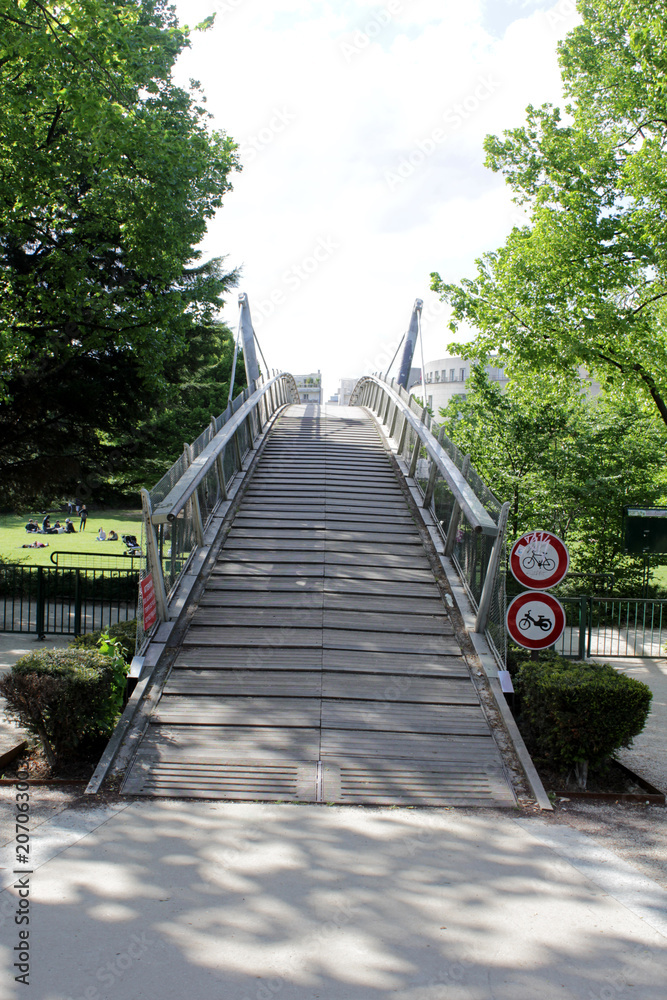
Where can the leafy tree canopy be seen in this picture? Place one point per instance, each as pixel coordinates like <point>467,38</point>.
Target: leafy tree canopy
<point>566,461</point>
<point>585,281</point>
<point>108,176</point>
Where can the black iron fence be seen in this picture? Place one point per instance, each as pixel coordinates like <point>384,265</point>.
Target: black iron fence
<point>620,626</point>
<point>52,600</point>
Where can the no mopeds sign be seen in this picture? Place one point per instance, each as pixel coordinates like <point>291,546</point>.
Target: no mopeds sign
<point>539,560</point>
<point>535,620</point>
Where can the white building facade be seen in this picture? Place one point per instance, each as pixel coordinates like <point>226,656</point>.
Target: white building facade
<point>310,387</point>
<point>447,377</point>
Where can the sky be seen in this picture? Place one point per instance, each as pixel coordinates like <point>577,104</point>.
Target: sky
<point>360,129</point>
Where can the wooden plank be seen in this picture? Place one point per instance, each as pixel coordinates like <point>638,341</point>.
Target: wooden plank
<point>213,743</point>
<point>368,621</point>
<point>260,617</point>
<point>463,720</point>
<point>341,744</point>
<point>300,713</point>
<point>406,604</point>
<point>212,635</point>
<point>243,659</point>
<point>382,586</point>
<point>388,642</point>
<point>230,553</point>
<point>399,574</point>
<point>402,664</point>
<point>399,688</point>
<point>249,601</point>
<point>274,544</point>
<point>225,683</point>
<point>268,569</point>
<point>264,584</point>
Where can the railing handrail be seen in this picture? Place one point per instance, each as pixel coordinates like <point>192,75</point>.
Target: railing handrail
<point>474,511</point>
<point>177,498</point>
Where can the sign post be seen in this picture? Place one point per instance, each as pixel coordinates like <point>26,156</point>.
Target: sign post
<point>535,619</point>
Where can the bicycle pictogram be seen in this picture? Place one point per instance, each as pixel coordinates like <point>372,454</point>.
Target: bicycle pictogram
<point>538,559</point>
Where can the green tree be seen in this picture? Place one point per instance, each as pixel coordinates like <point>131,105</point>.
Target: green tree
<point>108,176</point>
<point>584,282</point>
<point>198,389</point>
<point>565,460</point>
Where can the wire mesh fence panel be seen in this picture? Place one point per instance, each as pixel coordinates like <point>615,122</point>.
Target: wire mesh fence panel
<point>209,494</point>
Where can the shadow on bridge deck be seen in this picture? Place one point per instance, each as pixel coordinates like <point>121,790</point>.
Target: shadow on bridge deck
<point>321,664</point>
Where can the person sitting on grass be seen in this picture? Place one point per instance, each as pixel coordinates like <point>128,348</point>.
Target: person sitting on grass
<point>69,527</point>
<point>32,525</point>
<point>112,536</point>
<point>101,535</point>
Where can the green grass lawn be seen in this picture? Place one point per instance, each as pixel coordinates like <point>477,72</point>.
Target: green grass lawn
<point>13,535</point>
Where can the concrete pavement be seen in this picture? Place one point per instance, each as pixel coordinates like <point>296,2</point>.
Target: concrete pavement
<point>221,901</point>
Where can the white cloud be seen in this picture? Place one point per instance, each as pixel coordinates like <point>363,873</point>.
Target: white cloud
<point>327,101</point>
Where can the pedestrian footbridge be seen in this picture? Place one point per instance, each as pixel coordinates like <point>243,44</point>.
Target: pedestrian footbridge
<point>307,648</point>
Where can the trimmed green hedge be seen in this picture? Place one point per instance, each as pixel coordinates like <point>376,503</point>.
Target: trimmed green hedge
<point>579,713</point>
<point>64,696</point>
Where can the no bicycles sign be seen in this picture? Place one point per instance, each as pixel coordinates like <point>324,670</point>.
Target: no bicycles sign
<point>535,620</point>
<point>539,560</point>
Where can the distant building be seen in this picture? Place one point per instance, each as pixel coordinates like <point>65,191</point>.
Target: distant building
<point>447,377</point>
<point>345,390</point>
<point>310,387</point>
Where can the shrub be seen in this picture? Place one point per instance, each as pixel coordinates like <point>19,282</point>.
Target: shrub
<point>124,632</point>
<point>579,713</point>
<point>63,696</point>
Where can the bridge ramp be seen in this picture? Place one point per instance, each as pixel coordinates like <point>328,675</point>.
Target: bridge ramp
<point>321,664</point>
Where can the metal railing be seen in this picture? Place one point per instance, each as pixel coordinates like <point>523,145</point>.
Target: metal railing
<point>613,627</point>
<point>472,520</point>
<point>177,510</point>
<point>50,600</point>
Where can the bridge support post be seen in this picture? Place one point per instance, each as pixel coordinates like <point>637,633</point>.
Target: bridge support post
<point>198,524</point>
<point>415,453</point>
<point>484,609</point>
<point>153,558</point>
<point>428,495</point>
<point>453,526</point>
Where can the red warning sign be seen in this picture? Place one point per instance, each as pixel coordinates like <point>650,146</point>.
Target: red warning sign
<point>148,602</point>
<point>535,620</point>
<point>539,560</point>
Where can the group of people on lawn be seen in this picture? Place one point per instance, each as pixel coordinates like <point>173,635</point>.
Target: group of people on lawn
<point>67,528</point>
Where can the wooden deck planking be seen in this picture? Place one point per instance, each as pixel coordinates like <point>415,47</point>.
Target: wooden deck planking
<point>321,637</point>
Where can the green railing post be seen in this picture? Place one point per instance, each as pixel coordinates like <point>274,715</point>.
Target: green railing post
<point>39,622</point>
<point>583,616</point>
<point>77,603</point>
<point>590,625</point>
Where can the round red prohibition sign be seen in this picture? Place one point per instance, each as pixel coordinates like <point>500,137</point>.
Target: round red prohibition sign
<point>539,560</point>
<point>535,620</point>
